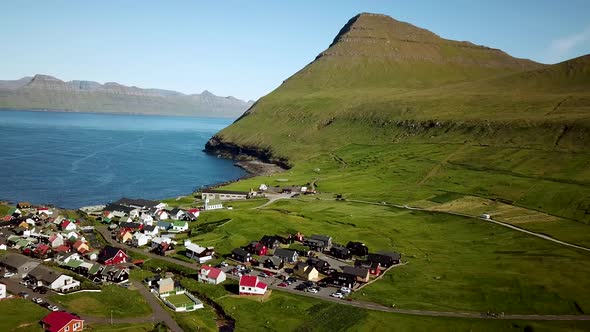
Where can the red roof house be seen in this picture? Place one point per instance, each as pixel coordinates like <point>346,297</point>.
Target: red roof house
<point>251,285</point>
<point>211,275</point>
<point>42,251</point>
<point>61,321</point>
<point>112,256</point>
<point>62,249</point>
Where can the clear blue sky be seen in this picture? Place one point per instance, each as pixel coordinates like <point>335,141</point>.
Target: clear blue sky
<point>247,48</point>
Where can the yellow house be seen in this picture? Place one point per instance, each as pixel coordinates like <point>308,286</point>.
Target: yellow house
<point>306,272</point>
<point>124,236</point>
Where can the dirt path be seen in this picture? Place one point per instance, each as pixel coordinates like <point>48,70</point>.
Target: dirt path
<point>437,167</point>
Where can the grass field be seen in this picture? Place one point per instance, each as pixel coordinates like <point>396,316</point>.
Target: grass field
<point>122,302</point>
<point>21,315</point>
<point>180,300</point>
<point>124,328</point>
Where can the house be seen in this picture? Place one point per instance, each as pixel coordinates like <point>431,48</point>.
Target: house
<point>194,212</point>
<point>81,247</point>
<point>198,253</point>
<point>18,264</point>
<point>44,210</point>
<point>273,263</point>
<point>162,215</point>
<point>146,219</point>
<point>138,203</point>
<point>65,258</point>
<point>262,187</point>
<point>165,285</point>
<point>211,275</point>
<point>176,214</point>
<point>385,260</point>
<point>112,256</point>
<point>140,239</point>
<point>358,248</point>
<point>52,279</point>
<point>133,226</point>
<point>92,254</point>
<point>213,204</point>
<point>271,242</point>
<point>151,230</point>
<point>61,321</point>
<point>152,281</point>
<point>343,279</point>
<point>361,273</point>
<point>2,291</point>
<point>251,285</point>
<point>119,210</point>
<point>68,225</point>
<point>124,235</point>
<point>225,194</point>
<point>319,243</point>
<point>306,272</point>
<point>257,248</point>
<point>241,255</point>
<point>164,248</point>
<point>42,251</point>
<point>63,249</point>
<point>164,225</point>
<point>114,274</point>
<point>341,252</point>
<point>287,255</point>
<point>23,205</point>
<point>373,267</point>
<point>179,226</point>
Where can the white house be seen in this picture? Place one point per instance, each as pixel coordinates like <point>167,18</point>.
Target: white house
<point>140,239</point>
<point>67,225</point>
<point>162,215</point>
<point>55,280</point>
<point>45,210</point>
<point>213,204</point>
<point>263,187</point>
<point>125,219</point>
<point>147,219</point>
<point>211,275</point>
<point>250,285</point>
<point>179,226</point>
<point>3,246</point>
<point>176,214</point>
<point>151,230</point>
<point>2,291</point>
<point>195,212</point>
<point>198,253</point>
<point>161,206</point>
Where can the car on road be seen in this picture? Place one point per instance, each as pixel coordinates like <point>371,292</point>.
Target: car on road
<point>8,274</point>
<point>262,275</point>
<point>23,294</point>
<point>37,300</point>
<point>337,295</point>
<point>53,308</point>
<point>345,290</point>
<point>224,264</point>
<point>312,290</point>
<point>42,290</point>
<point>44,304</point>
<point>300,287</point>
<point>282,284</point>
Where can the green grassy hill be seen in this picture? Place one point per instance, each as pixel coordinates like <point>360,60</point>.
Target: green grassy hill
<point>413,115</point>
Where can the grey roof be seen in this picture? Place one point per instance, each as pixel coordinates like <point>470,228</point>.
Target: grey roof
<point>394,255</point>
<point>275,260</point>
<point>149,228</point>
<point>136,202</point>
<point>285,253</point>
<point>240,252</point>
<point>230,192</point>
<point>45,274</point>
<point>14,260</point>
<point>357,271</point>
<point>324,238</point>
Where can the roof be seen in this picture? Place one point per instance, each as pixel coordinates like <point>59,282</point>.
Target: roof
<point>107,253</point>
<point>136,202</point>
<point>58,319</point>
<point>195,248</point>
<point>287,253</point>
<point>180,223</point>
<point>240,252</point>
<point>357,271</point>
<point>213,272</point>
<point>118,207</point>
<point>129,224</point>
<point>45,274</point>
<point>149,228</point>
<point>193,210</point>
<point>166,281</point>
<point>230,192</point>
<point>324,238</point>
<point>62,248</point>
<point>276,261</point>
<point>14,260</point>
<point>248,281</point>
<point>94,269</point>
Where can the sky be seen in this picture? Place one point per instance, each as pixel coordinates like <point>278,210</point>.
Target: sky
<point>247,48</point>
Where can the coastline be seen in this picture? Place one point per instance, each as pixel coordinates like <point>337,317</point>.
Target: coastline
<point>51,110</point>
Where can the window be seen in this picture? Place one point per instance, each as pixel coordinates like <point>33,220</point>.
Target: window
<point>249,288</point>
<point>76,326</point>
<point>67,328</point>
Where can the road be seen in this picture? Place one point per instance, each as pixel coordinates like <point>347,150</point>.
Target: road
<point>273,198</point>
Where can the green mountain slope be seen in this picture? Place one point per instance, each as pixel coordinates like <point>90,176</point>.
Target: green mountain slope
<point>412,114</point>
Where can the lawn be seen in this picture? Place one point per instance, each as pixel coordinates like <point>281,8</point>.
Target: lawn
<point>145,327</point>
<point>246,204</point>
<point>180,300</point>
<point>454,263</point>
<point>21,315</point>
<point>120,301</point>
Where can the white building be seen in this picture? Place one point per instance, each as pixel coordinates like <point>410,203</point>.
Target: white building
<point>250,285</point>
<point>211,275</point>
<point>198,253</point>
<point>213,204</point>
<point>2,291</point>
<point>55,280</point>
<point>140,239</point>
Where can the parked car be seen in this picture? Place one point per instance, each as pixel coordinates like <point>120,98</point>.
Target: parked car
<point>311,290</point>
<point>42,290</point>
<point>345,290</point>
<point>23,294</point>
<point>224,264</point>
<point>337,295</point>
<point>37,300</point>
<point>262,275</point>
<point>53,308</point>
<point>44,304</point>
<point>8,274</point>
<point>282,284</point>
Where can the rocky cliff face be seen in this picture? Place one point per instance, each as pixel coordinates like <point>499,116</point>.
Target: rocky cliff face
<point>47,92</point>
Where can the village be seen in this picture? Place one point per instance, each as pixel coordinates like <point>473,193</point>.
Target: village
<point>49,252</point>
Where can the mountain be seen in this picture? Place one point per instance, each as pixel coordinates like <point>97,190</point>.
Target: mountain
<point>47,92</point>
<point>410,112</point>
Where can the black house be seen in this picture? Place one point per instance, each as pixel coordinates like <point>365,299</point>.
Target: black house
<point>341,252</point>
<point>343,279</point>
<point>386,259</point>
<point>320,264</point>
<point>274,263</point>
<point>271,242</point>
<point>358,248</point>
<point>241,255</point>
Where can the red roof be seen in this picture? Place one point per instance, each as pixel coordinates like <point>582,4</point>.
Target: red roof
<point>252,281</point>
<point>260,284</point>
<point>7,218</point>
<point>57,320</point>
<point>213,272</point>
<point>62,248</point>
<point>65,223</point>
<point>193,210</point>
<point>42,209</point>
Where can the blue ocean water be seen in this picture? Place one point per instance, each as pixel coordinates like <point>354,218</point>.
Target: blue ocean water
<point>77,159</point>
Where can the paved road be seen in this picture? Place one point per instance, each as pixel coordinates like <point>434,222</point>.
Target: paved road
<point>273,198</point>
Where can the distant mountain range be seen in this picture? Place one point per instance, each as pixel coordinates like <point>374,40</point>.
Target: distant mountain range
<point>43,92</point>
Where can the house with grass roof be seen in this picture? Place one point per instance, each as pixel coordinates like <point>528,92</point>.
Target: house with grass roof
<point>179,226</point>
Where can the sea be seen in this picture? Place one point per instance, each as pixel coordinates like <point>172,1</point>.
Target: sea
<point>70,160</point>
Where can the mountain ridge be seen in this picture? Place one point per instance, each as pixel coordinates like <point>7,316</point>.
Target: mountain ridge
<point>48,92</point>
